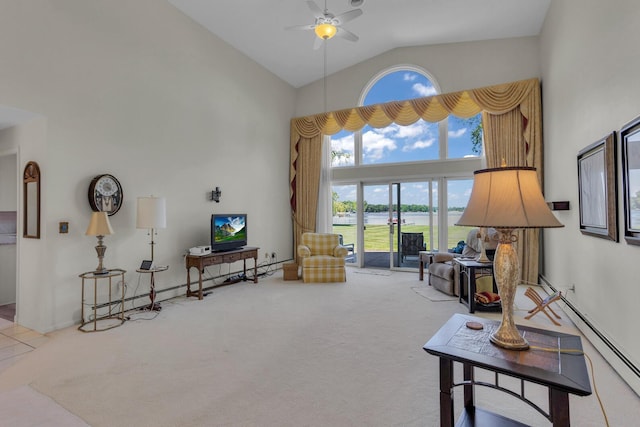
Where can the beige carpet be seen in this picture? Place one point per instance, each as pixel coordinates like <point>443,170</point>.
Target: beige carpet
<point>432,294</point>
<point>279,353</point>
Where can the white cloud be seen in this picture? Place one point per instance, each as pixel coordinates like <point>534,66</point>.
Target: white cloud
<point>343,144</point>
<point>375,145</point>
<point>423,90</point>
<point>457,133</point>
<point>418,145</point>
<point>409,77</point>
<point>392,129</point>
<point>419,128</point>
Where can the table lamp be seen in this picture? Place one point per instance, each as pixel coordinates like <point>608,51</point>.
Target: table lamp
<point>483,240</point>
<point>99,226</point>
<point>507,198</point>
<point>151,214</point>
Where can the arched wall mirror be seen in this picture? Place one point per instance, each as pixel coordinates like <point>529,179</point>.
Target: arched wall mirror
<point>31,201</point>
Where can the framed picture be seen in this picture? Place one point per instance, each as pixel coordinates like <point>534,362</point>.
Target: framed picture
<point>598,190</point>
<point>63,227</point>
<point>630,141</point>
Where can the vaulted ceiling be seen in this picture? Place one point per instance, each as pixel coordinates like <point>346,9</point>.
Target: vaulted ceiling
<point>257,28</point>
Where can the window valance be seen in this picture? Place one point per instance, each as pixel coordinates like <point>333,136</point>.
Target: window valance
<point>496,99</point>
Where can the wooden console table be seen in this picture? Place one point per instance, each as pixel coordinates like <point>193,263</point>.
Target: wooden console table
<point>202,261</point>
<point>545,363</point>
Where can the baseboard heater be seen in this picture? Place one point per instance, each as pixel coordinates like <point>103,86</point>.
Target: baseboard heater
<point>633,368</point>
<point>184,285</point>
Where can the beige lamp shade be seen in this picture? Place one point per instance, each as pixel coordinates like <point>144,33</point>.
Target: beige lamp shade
<point>151,212</point>
<point>99,225</point>
<point>507,197</point>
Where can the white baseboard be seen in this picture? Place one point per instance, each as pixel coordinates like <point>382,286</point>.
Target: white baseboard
<point>612,353</point>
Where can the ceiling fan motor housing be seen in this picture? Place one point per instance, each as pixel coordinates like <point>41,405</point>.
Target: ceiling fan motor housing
<point>355,3</point>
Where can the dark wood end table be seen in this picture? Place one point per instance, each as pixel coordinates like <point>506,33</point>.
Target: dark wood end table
<point>562,372</point>
<point>202,261</point>
<point>469,269</point>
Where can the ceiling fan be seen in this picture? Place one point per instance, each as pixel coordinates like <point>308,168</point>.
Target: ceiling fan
<point>327,24</point>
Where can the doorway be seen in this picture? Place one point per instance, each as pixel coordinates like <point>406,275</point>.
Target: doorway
<point>386,225</point>
<point>377,242</point>
<point>414,222</point>
<point>8,238</point>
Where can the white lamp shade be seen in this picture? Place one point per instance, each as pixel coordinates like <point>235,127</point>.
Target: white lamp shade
<point>151,212</point>
<point>99,225</point>
<point>507,197</point>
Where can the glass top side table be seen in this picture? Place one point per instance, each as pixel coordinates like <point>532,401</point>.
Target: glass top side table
<point>92,325</point>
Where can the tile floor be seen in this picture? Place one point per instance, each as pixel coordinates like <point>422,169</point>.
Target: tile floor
<point>16,341</point>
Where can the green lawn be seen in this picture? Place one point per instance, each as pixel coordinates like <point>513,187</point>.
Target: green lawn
<point>376,237</point>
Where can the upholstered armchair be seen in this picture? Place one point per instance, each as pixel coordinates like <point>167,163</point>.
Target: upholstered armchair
<point>443,274</point>
<point>322,258</point>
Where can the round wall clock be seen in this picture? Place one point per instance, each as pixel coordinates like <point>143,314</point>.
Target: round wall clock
<point>105,194</point>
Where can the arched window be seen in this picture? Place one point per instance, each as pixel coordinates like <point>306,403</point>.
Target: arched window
<point>453,138</point>
<point>402,172</point>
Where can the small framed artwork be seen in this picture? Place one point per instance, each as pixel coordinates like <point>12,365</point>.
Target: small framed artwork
<point>598,190</point>
<point>63,227</point>
<point>630,142</point>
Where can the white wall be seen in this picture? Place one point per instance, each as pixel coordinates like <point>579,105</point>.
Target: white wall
<point>590,60</point>
<point>138,90</point>
<point>455,66</point>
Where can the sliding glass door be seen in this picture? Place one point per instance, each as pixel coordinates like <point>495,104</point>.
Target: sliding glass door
<point>386,225</point>
<point>414,223</point>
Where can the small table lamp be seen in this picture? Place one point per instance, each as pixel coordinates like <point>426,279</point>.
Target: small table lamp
<point>507,198</point>
<point>99,226</point>
<point>151,214</point>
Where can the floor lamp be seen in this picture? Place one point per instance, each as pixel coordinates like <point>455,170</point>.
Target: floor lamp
<point>151,214</point>
<point>507,198</point>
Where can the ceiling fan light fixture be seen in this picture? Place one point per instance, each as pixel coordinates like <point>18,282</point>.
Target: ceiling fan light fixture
<point>326,31</point>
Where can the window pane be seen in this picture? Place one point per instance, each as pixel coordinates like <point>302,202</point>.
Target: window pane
<point>399,86</point>
<point>345,217</point>
<point>396,143</point>
<point>465,137</point>
<point>457,198</point>
<point>342,153</point>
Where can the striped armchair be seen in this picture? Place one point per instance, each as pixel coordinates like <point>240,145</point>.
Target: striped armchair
<point>322,258</point>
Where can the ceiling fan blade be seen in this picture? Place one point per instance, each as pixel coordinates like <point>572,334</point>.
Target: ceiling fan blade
<point>301,27</point>
<point>346,34</point>
<point>348,16</point>
<point>317,43</point>
<point>317,12</point>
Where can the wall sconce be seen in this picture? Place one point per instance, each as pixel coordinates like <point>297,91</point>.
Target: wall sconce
<point>558,206</point>
<point>215,195</point>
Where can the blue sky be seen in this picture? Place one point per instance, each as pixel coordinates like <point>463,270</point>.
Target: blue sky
<point>415,142</point>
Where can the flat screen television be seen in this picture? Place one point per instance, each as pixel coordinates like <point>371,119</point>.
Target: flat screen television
<point>228,231</point>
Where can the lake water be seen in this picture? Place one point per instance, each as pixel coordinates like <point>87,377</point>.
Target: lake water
<point>417,218</point>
